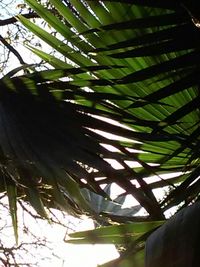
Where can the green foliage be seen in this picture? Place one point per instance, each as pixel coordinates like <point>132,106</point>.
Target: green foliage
<point>155,73</point>
<point>116,234</point>
<point>131,235</point>
<point>134,64</point>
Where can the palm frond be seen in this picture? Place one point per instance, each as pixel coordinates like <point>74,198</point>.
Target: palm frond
<point>150,61</point>
<point>135,63</point>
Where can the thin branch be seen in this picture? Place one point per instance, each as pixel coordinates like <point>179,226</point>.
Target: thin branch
<point>12,49</point>
<point>12,20</point>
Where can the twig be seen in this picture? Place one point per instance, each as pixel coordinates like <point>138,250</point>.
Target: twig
<point>12,49</point>
<point>12,20</point>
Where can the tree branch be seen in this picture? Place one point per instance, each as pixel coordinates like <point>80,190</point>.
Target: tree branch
<point>12,49</point>
<point>12,20</point>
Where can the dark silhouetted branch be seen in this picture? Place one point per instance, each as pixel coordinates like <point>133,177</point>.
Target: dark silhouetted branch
<point>12,49</point>
<point>12,20</point>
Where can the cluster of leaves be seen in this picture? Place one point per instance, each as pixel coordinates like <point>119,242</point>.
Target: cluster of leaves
<point>131,63</point>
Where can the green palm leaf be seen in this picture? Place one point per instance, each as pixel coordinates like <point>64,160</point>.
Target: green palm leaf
<point>135,63</point>
<point>157,73</point>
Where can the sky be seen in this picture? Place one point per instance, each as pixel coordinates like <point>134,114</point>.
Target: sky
<point>77,255</point>
<point>56,251</point>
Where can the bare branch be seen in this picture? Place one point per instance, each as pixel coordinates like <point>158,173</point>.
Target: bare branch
<point>12,49</point>
<point>12,20</point>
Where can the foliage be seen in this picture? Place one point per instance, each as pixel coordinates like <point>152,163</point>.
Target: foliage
<point>130,63</point>
<point>113,206</point>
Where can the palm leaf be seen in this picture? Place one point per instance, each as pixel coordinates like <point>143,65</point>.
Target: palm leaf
<point>116,230</point>
<point>159,77</point>
<point>27,105</point>
<point>140,63</point>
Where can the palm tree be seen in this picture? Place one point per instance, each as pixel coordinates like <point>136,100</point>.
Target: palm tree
<point>131,62</point>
